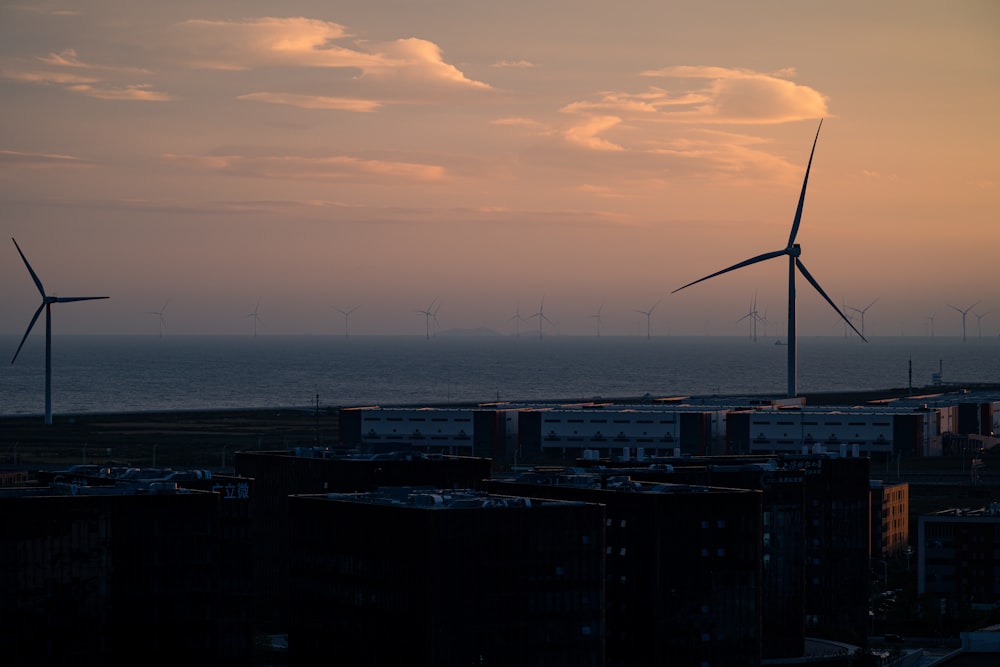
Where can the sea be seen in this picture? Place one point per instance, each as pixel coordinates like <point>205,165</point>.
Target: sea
<point>107,374</point>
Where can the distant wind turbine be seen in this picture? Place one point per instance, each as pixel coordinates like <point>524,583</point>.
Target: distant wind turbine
<point>930,318</point>
<point>46,305</point>
<point>517,320</point>
<point>964,313</point>
<point>649,316</point>
<point>541,317</point>
<point>159,314</point>
<point>255,317</point>
<point>428,314</point>
<point>752,315</point>
<point>792,250</point>
<point>347,315</point>
<point>979,323</point>
<point>861,312</point>
<point>597,316</point>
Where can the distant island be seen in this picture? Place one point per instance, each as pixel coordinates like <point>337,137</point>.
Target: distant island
<point>478,332</point>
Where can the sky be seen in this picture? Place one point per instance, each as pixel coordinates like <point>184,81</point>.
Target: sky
<point>209,159</point>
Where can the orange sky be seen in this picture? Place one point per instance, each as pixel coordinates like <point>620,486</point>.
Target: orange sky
<point>318,155</point>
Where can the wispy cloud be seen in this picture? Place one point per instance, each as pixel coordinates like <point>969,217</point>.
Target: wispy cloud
<point>314,101</point>
<point>339,168</point>
<point>41,160</point>
<point>516,64</point>
<point>67,70</point>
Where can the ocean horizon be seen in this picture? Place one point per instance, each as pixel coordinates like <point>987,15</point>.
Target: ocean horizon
<point>143,373</point>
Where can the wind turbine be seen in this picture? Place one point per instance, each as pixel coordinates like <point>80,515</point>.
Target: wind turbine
<point>844,309</point>
<point>541,317</point>
<point>792,250</point>
<point>428,314</point>
<point>753,318</point>
<point>517,320</point>
<point>648,314</point>
<point>964,313</point>
<point>255,317</point>
<point>930,318</point>
<point>597,316</point>
<point>861,312</point>
<point>159,315</point>
<point>979,323</point>
<point>347,315</point>
<point>46,305</point>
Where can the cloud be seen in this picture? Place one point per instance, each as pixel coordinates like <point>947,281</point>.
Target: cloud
<point>83,79</point>
<point>40,160</point>
<point>303,42</point>
<point>586,133</point>
<point>731,95</point>
<point>340,168</point>
<point>418,60</point>
<point>269,42</point>
<point>517,64</point>
<point>314,101</point>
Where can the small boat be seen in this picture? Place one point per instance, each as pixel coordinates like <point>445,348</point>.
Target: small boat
<point>778,342</point>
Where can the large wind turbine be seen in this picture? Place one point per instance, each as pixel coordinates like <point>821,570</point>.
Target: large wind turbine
<point>964,313</point>
<point>792,250</point>
<point>46,304</point>
<point>649,315</point>
<point>159,315</point>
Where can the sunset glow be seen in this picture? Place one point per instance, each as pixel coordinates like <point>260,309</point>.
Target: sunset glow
<point>381,156</point>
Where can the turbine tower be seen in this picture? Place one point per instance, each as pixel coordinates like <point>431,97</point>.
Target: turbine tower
<point>541,317</point>
<point>861,312</point>
<point>347,315</point>
<point>159,315</point>
<point>964,313</point>
<point>649,315</point>
<point>47,301</point>
<point>597,316</point>
<point>792,250</point>
<point>428,314</point>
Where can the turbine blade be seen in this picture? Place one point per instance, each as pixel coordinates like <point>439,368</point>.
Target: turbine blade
<point>68,299</point>
<point>34,276</point>
<point>28,331</point>
<point>802,195</point>
<point>748,262</point>
<point>812,281</point>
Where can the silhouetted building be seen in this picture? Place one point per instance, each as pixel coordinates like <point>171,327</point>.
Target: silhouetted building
<point>683,566</point>
<point>111,575</point>
<point>957,555</point>
<point>434,578</point>
<point>782,532</point>
<point>278,475</point>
